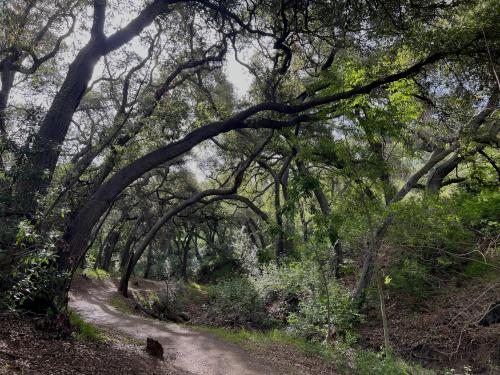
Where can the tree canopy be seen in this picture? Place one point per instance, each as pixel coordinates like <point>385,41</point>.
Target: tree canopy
<point>370,128</point>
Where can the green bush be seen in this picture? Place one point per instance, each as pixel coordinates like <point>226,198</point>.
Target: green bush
<point>369,363</point>
<point>34,284</point>
<point>439,237</point>
<point>412,277</point>
<point>33,281</point>
<point>480,269</point>
<point>176,298</point>
<point>96,274</point>
<point>235,302</point>
<point>311,319</point>
<point>292,279</point>
<point>450,224</point>
<point>281,289</point>
<point>288,289</point>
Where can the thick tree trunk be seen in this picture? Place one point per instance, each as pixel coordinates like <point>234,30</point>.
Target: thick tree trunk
<point>109,250</point>
<point>123,286</point>
<point>125,254</point>
<point>185,257</point>
<point>47,144</point>
<point>149,262</point>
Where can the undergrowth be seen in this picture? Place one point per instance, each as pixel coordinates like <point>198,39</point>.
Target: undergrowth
<point>346,360</point>
<point>96,274</point>
<point>85,331</point>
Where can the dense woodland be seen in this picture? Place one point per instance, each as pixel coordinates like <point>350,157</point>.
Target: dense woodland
<point>349,197</point>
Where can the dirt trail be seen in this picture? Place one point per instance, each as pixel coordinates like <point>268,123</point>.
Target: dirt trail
<point>194,352</point>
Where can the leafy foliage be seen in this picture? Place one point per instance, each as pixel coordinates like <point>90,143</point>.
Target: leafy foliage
<point>235,302</point>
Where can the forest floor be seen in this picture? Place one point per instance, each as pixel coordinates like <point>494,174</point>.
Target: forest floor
<point>26,349</point>
<point>442,330</point>
<point>186,350</point>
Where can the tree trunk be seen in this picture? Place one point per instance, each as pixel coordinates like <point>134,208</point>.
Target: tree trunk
<point>98,258</point>
<point>123,287</point>
<point>108,251</point>
<point>305,224</point>
<point>262,240</point>
<point>383,312</point>
<point>7,78</point>
<point>185,256</point>
<point>289,218</point>
<point>196,249</point>
<point>46,146</point>
<point>184,263</point>
<point>125,254</point>
<point>324,206</point>
<point>250,234</point>
<point>370,259</point>
<point>278,216</point>
<point>149,262</point>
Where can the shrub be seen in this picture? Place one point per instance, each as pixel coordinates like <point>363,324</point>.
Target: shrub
<point>443,236</point>
<point>235,302</point>
<point>96,274</point>
<point>172,300</point>
<point>178,301</point>
<point>412,277</point>
<point>368,363</point>
<point>446,224</point>
<point>295,294</point>
<point>281,289</point>
<point>34,281</point>
<point>34,284</point>
<point>311,319</point>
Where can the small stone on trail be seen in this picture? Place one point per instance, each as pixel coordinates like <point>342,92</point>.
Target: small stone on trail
<point>154,348</point>
<point>492,316</point>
